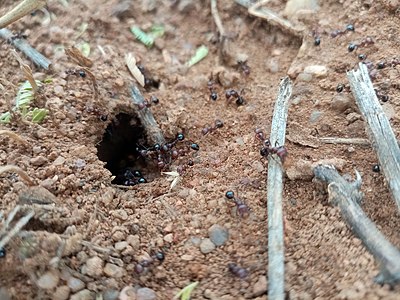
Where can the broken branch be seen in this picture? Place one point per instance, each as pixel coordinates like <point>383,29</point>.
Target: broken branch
<point>21,10</point>
<point>276,257</point>
<point>382,138</point>
<point>347,196</point>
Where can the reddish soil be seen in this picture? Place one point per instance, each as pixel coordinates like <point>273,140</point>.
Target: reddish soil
<point>78,228</point>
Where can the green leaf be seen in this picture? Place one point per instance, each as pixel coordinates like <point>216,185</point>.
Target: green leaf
<point>200,54</point>
<point>84,48</point>
<point>142,36</point>
<point>38,114</point>
<point>5,117</point>
<point>157,31</point>
<point>185,293</point>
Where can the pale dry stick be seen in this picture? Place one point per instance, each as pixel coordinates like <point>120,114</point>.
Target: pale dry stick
<point>17,228</point>
<point>14,136</point>
<point>257,10</point>
<point>346,141</point>
<point>276,256</point>
<point>382,138</point>
<point>217,19</point>
<point>153,131</point>
<point>347,196</point>
<point>22,45</point>
<point>21,10</point>
<point>10,217</point>
<point>27,71</point>
<point>19,171</point>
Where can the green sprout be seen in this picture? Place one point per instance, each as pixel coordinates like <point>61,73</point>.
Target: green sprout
<point>23,100</point>
<point>200,54</point>
<point>184,294</point>
<point>148,38</point>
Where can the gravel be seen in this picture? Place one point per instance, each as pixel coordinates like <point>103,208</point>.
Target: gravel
<point>207,246</point>
<point>218,234</point>
<point>114,271</point>
<point>75,284</point>
<point>145,294</point>
<point>93,267</point>
<point>48,280</point>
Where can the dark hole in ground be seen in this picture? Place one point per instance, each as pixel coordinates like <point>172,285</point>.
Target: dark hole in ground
<point>118,149</point>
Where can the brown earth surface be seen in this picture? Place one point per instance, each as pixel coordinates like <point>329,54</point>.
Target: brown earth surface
<point>88,235</point>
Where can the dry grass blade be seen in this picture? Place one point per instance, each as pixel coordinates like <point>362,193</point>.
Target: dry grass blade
<point>75,55</point>
<point>19,171</point>
<point>131,63</point>
<point>10,217</point>
<point>17,228</point>
<point>14,136</point>
<point>21,10</point>
<point>27,71</point>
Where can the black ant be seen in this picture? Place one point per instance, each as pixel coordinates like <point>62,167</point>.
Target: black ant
<point>237,270</point>
<point>364,43</point>
<point>76,72</point>
<point>381,96</point>
<point>244,67</point>
<point>209,129</point>
<point>338,32</point>
<point>148,81</point>
<point>17,36</point>
<point>229,94</point>
<point>130,178</point>
<point>148,103</point>
<point>211,88</point>
<point>143,265</point>
<point>317,38</point>
<point>241,208</point>
<point>267,149</point>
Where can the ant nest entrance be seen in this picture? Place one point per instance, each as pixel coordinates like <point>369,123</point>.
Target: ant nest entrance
<point>119,149</point>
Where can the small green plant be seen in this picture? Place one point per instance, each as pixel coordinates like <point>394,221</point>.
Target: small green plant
<point>148,38</point>
<point>200,54</point>
<point>184,294</point>
<point>23,100</point>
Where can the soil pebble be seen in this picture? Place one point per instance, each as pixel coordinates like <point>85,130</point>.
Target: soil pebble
<point>317,71</point>
<point>207,246</point>
<point>110,295</point>
<point>145,294</point>
<point>260,287</point>
<point>113,271</point>
<point>93,267</point>
<point>75,284</point>
<point>61,293</point>
<point>83,295</point>
<point>48,280</point>
<point>127,293</point>
<point>218,234</point>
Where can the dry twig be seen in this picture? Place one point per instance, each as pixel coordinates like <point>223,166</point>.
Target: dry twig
<point>22,45</point>
<point>21,10</point>
<point>347,196</point>
<point>276,257</point>
<point>19,171</point>
<point>346,141</point>
<point>14,136</point>
<point>153,132</point>
<point>382,138</point>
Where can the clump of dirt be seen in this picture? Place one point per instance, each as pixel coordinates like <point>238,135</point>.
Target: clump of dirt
<point>96,237</point>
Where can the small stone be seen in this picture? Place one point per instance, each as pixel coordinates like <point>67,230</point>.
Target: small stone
<point>48,280</point>
<point>94,267</point>
<point>59,161</point>
<point>260,287</point>
<point>317,71</point>
<point>272,65</point>
<point>294,6</point>
<point>118,236</point>
<point>145,294</point>
<point>207,246</point>
<point>61,293</point>
<point>127,293</point>
<point>119,82</point>
<point>306,77</point>
<point>300,170</point>
<point>59,91</point>
<point>110,295</point>
<point>121,245</point>
<point>38,161</point>
<point>83,295</point>
<point>75,284</point>
<point>315,115</point>
<point>114,271</point>
<point>341,102</point>
<point>187,257</point>
<point>169,238</point>
<point>134,241</point>
<point>218,234</point>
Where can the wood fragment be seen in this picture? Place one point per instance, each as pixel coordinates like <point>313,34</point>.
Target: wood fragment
<point>222,36</point>
<point>22,45</point>
<point>347,196</point>
<point>76,56</point>
<point>14,136</point>
<point>153,131</point>
<point>27,72</point>
<point>346,141</point>
<point>382,137</point>
<point>21,10</point>
<point>132,67</point>
<point>276,257</point>
<point>19,171</point>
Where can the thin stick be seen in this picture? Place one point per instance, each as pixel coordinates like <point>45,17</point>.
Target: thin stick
<point>346,141</point>
<point>14,136</point>
<point>19,171</point>
<point>37,58</point>
<point>17,228</point>
<point>276,257</point>
<point>217,19</point>
<point>154,133</point>
<point>21,10</point>
<point>382,138</point>
<point>347,196</point>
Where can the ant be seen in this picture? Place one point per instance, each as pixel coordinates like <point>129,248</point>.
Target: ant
<point>317,38</point>
<point>383,64</point>
<point>211,87</point>
<point>210,129</point>
<point>17,36</point>
<point>130,178</point>
<point>267,149</point>
<point>381,96</point>
<point>338,32</point>
<point>242,209</point>
<point>229,94</point>
<point>237,270</point>
<point>364,43</point>
<point>143,265</point>
<point>148,81</point>
<point>148,103</point>
<point>76,72</point>
<point>244,67</point>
